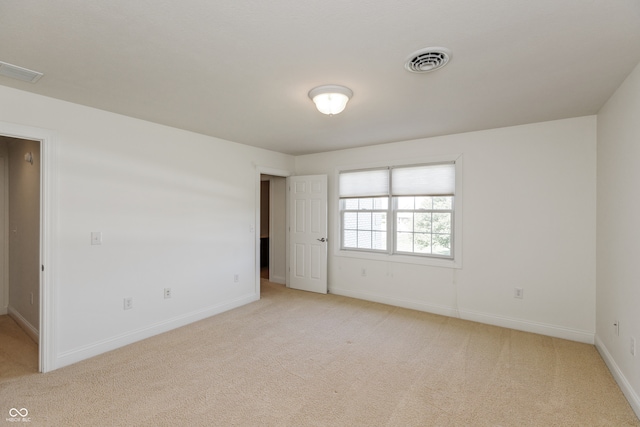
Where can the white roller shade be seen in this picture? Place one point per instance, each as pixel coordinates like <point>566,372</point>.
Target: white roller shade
<point>365,183</point>
<point>428,180</point>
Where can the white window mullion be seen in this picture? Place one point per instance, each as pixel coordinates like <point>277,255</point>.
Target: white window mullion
<point>391,226</point>
<point>391,223</point>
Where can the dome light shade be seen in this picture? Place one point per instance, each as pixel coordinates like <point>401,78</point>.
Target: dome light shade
<point>330,99</point>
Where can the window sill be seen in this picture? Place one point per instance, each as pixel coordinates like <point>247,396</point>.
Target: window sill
<point>402,259</point>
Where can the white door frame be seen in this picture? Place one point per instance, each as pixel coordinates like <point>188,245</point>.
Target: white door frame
<point>48,210</point>
<point>262,170</point>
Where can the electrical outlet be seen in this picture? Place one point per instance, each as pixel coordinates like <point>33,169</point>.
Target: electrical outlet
<point>518,293</point>
<point>96,237</point>
<point>167,293</point>
<point>363,273</point>
<point>632,346</point>
<point>236,278</point>
<point>128,303</point>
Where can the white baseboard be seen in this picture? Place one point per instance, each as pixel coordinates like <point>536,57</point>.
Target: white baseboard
<point>490,319</point>
<point>398,302</point>
<point>24,324</point>
<point>278,279</point>
<point>85,352</point>
<point>529,326</point>
<point>623,383</point>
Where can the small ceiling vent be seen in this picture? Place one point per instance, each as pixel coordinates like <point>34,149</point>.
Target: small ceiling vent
<point>15,72</point>
<point>428,59</point>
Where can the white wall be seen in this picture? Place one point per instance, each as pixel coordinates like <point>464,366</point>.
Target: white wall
<point>618,236</point>
<point>528,221</point>
<point>176,209</point>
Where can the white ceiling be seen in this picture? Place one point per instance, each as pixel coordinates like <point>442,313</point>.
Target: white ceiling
<point>241,69</point>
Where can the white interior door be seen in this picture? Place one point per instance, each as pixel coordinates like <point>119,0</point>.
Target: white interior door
<point>308,233</point>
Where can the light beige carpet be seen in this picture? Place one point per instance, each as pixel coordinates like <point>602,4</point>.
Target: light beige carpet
<point>301,359</point>
<point>18,353</point>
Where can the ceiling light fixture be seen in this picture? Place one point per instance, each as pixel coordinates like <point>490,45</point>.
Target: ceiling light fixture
<point>330,99</point>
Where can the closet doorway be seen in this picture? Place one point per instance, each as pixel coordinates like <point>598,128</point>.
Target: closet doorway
<point>273,223</point>
<point>20,220</point>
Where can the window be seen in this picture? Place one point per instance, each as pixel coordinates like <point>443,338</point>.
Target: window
<point>365,223</point>
<point>402,210</point>
<point>424,225</point>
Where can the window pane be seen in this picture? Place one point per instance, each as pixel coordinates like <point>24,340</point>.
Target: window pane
<point>379,241</point>
<point>422,222</point>
<point>442,202</point>
<point>424,202</point>
<point>404,242</point>
<point>422,243</point>
<point>350,220</point>
<point>406,203</point>
<point>364,239</point>
<point>442,223</point>
<point>381,203</point>
<point>350,239</point>
<point>379,221</point>
<point>442,244</point>
<point>405,221</point>
<point>366,204</point>
<point>364,220</point>
<point>350,204</point>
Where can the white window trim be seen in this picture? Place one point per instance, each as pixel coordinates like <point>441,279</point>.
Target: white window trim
<point>456,262</point>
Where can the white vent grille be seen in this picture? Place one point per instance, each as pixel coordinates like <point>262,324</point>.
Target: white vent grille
<point>19,73</point>
<point>427,60</point>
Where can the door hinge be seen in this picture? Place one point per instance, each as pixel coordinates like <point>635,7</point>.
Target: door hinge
<point>42,266</point>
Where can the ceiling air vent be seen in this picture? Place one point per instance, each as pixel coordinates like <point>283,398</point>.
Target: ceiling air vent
<point>15,72</point>
<point>429,59</point>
